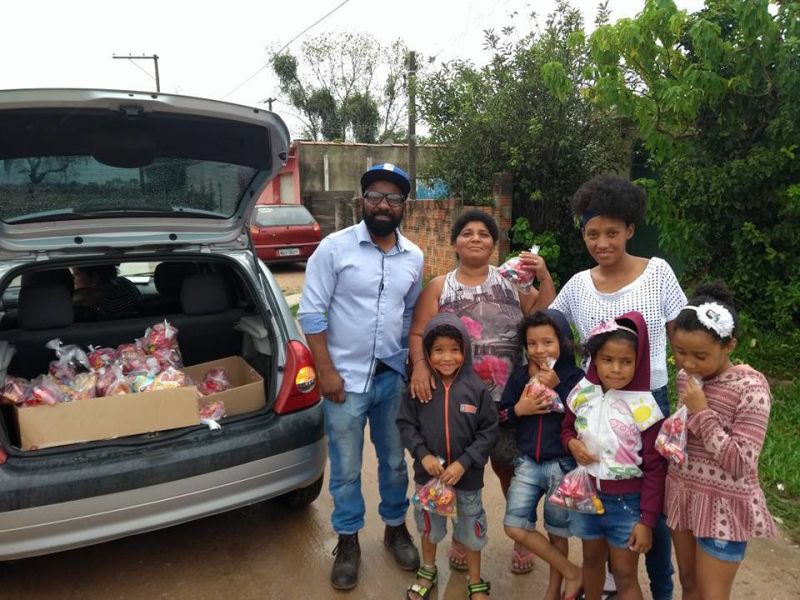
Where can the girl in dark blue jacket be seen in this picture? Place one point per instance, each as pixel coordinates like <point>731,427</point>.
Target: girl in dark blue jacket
<point>547,340</point>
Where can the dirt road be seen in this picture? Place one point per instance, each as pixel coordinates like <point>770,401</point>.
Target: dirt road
<point>268,552</point>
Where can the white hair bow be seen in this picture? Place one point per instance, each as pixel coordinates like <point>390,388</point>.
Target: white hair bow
<point>715,317</point>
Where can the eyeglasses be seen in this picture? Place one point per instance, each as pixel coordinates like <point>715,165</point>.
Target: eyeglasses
<point>392,199</point>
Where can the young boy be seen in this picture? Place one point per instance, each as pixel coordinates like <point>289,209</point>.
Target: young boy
<point>450,437</point>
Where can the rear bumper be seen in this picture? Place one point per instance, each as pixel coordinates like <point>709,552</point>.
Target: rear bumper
<point>54,502</point>
<point>53,528</point>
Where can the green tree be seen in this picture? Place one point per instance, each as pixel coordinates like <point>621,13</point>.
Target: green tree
<point>716,97</point>
<point>346,86</point>
<point>525,112</point>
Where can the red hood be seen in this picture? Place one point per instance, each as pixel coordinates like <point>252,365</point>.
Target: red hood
<point>641,376</point>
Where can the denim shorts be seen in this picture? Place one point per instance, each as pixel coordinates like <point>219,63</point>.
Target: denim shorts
<point>531,481</point>
<point>722,549</point>
<point>615,525</point>
<point>469,524</point>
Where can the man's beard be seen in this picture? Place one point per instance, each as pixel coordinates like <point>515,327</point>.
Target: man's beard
<point>380,227</point>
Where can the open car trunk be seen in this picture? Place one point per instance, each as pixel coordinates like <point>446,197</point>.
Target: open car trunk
<point>212,305</point>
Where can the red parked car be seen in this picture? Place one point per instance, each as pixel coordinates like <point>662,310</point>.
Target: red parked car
<point>284,232</point>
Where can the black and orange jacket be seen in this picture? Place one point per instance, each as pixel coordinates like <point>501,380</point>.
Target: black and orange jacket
<point>458,424</point>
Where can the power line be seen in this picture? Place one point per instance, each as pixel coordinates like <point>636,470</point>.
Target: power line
<point>467,29</point>
<point>142,69</point>
<point>286,45</point>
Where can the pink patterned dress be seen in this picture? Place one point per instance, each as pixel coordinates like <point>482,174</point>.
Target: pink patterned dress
<point>716,493</point>
<point>491,312</point>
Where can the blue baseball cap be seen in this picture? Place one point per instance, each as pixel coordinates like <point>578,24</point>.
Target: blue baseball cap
<point>386,172</point>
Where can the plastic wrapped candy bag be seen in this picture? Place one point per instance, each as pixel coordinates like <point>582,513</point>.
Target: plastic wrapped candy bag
<point>533,388</point>
<point>671,440</point>
<point>215,381</point>
<point>576,492</point>
<point>100,358</point>
<point>112,382</point>
<point>134,360</point>
<point>160,335</point>
<point>43,390</point>
<point>70,359</point>
<point>168,357</point>
<point>170,378</point>
<point>513,270</point>
<point>436,497</point>
<point>142,382</point>
<point>14,389</point>
<point>81,387</point>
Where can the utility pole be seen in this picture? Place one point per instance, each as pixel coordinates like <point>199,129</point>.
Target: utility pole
<point>153,57</point>
<point>268,102</point>
<point>412,122</point>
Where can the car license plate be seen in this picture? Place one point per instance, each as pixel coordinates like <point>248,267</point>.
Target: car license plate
<point>289,252</point>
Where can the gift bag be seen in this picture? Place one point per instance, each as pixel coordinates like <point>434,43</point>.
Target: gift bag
<point>671,440</point>
<point>436,497</point>
<point>576,492</point>
<point>533,387</point>
<point>513,271</point>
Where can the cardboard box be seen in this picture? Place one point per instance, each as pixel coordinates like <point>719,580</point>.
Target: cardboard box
<point>132,414</point>
<point>247,393</point>
<point>106,418</point>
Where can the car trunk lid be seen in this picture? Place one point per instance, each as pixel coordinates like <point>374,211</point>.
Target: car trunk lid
<point>97,169</point>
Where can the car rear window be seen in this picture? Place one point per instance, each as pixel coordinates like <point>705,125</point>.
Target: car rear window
<point>283,215</point>
<point>84,164</point>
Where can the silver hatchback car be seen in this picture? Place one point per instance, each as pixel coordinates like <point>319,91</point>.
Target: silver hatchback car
<point>111,181</point>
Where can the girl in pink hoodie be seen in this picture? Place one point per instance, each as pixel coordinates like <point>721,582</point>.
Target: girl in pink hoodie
<point>610,427</point>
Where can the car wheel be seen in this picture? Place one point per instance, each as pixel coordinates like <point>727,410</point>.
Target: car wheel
<point>302,497</point>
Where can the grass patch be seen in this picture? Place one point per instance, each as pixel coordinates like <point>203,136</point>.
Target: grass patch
<point>294,308</point>
<point>774,354</point>
<point>780,458</point>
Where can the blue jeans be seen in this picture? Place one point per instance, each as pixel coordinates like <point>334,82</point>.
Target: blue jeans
<point>531,481</point>
<point>469,525</point>
<point>615,525</point>
<point>344,427</point>
<point>659,559</point>
<point>722,549</point>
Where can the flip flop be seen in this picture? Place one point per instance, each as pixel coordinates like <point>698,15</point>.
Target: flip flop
<point>457,557</point>
<point>522,561</point>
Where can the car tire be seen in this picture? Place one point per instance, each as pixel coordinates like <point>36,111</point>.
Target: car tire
<point>302,497</point>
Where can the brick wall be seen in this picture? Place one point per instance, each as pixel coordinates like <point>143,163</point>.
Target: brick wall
<point>427,223</point>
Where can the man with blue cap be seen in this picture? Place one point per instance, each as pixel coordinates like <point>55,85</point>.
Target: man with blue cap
<point>358,283</point>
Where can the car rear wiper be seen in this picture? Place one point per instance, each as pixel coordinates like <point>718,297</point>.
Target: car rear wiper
<point>72,214</point>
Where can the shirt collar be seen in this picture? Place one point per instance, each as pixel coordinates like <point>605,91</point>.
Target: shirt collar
<point>362,235</point>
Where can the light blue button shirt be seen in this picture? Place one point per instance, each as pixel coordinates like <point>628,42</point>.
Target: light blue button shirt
<point>363,298</point>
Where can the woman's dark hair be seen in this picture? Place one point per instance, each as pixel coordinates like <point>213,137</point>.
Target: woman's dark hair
<point>538,319</point>
<point>594,343</point>
<point>446,331</point>
<point>470,216</point>
<point>609,196</point>
<point>709,292</point>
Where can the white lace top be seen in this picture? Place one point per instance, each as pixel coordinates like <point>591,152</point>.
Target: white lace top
<point>656,294</point>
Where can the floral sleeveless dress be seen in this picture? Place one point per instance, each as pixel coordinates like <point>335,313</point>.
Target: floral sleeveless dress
<point>491,312</point>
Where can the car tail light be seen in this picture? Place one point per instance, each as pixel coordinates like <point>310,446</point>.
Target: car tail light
<point>253,230</point>
<point>299,387</point>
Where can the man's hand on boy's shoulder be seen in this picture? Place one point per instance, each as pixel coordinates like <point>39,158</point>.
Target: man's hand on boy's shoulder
<point>432,465</point>
<point>453,473</point>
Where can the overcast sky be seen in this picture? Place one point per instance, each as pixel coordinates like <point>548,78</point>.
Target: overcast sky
<point>210,49</point>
